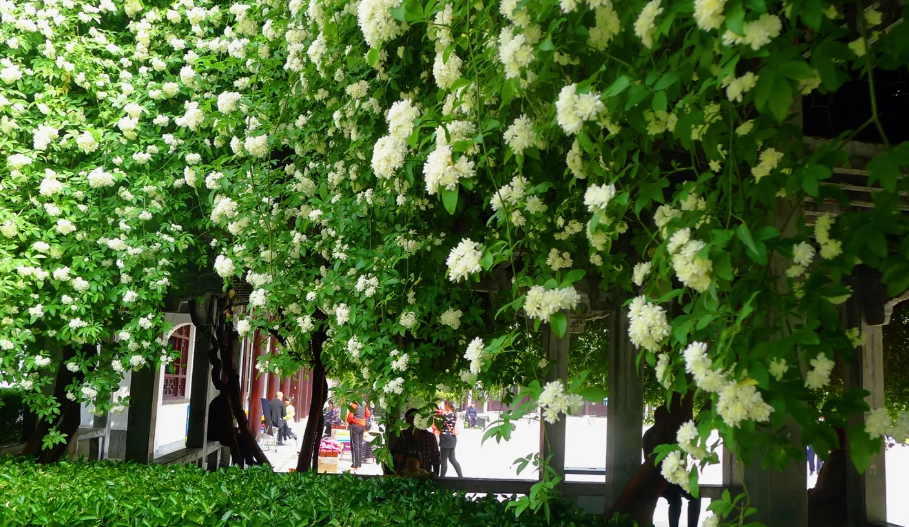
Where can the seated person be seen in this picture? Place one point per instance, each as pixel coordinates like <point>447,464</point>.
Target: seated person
<point>413,470</point>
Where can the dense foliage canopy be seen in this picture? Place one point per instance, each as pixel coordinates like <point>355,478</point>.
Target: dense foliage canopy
<point>426,183</point>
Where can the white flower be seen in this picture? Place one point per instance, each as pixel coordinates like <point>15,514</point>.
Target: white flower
<point>377,23</point>
<point>674,469</point>
<point>6,344</point>
<point>79,284</point>
<point>440,169</point>
<point>451,318</point>
<point>648,326</point>
<point>408,319</point>
<point>130,297</point>
<point>475,354</point>
<point>257,146</point>
<point>388,156</point>
<point>446,73</point>
<point>597,197</point>
<point>542,303</point>
<point>464,260</point>
<point>802,254</point>
<point>742,401</point>
<point>877,423</point>
<point>227,102</point>
<point>18,161</point>
<point>645,25</point>
<point>691,269</point>
<point>258,298</point>
<point>709,13</point>
<point>342,314</point>
<point>117,366</point>
<point>137,361</point>
<point>758,33</point>
<point>224,266</point>
<point>50,186</point>
<point>664,376</point>
<point>572,109</point>
<point>10,72</point>
<point>89,393</point>
<point>401,117</point>
<point>9,229</point>
<point>400,364</point>
<point>641,270</point>
<point>819,375</point>
<point>778,368</point>
<point>98,178</point>
<point>711,521</point>
<point>72,367</point>
<point>396,386</point>
<point>42,361</point>
<point>520,135</point>
<point>65,226</point>
<point>305,323</point>
<point>243,326</point>
<point>44,136</point>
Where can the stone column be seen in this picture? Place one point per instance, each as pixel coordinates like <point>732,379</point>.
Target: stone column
<point>626,406</point>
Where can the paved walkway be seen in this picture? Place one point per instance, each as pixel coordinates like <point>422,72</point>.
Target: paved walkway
<point>585,447</point>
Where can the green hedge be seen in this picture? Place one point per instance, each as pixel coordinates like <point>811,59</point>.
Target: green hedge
<point>125,494</point>
<point>12,413</point>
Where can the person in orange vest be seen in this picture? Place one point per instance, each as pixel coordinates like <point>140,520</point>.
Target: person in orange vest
<point>356,423</point>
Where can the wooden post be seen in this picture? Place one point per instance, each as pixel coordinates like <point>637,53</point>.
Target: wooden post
<point>781,498</point>
<point>866,494</point>
<point>552,435</point>
<point>626,406</point>
<point>143,410</point>
<point>259,381</point>
<point>197,436</point>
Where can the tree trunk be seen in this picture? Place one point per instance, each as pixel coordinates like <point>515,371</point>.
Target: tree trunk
<point>70,413</point>
<point>309,450</point>
<point>226,343</point>
<point>639,498</point>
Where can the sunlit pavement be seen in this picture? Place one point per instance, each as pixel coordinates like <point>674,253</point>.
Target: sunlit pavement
<point>586,447</point>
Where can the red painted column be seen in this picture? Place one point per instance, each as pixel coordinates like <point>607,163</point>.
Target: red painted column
<point>258,384</point>
<point>285,386</point>
<point>307,391</point>
<point>299,401</point>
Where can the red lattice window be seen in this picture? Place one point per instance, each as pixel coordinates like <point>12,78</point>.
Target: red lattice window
<point>175,374</point>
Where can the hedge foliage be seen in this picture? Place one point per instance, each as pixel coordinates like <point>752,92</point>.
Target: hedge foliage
<point>110,494</point>
<point>12,413</point>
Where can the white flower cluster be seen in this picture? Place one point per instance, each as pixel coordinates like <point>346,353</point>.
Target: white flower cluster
<point>509,195</point>
<point>819,375</point>
<point>377,23</point>
<point>573,109</point>
<point>558,261</point>
<point>554,401</point>
<point>700,366</point>
<point>739,401</point>
<point>663,375</point>
<point>778,368</point>
<point>690,268</point>
<point>243,326</point>
<point>674,469</point>
<point>396,386</point>
<point>516,50</point>
<point>767,162</point>
<point>640,272</point>
<point>878,424</point>
<point>464,260</point>
<point>408,319</point>
<point>541,303</point>
<point>648,326</point>
<point>645,25</point>
<point>830,248</point>
<point>389,151</point>
<point>354,347</point>
<point>400,364</point>
<point>224,266</point>
<point>306,323</point>
<point>736,87</point>
<point>442,171</point>
<point>687,438</point>
<point>520,135</point>
<point>451,318</point>
<point>597,197</point>
<point>476,353</point>
<point>802,255</point>
<point>757,33</point>
<point>446,72</point>
<point>709,13</point>
<point>342,314</point>
<point>367,284</point>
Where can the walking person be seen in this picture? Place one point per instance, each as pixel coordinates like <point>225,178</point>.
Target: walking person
<point>276,412</point>
<point>413,438</point>
<point>331,418</point>
<point>291,412</point>
<point>356,423</point>
<point>673,492</point>
<point>811,460</point>
<point>472,415</point>
<point>448,439</point>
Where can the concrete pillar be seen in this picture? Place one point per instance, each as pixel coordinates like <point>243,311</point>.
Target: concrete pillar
<point>197,435</point>
<point>625,411</point>
<point>552,436</point>
<point>143,409</point>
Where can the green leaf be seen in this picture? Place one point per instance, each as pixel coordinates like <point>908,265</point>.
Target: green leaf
<point>372,57</point>
<point>796,70</point>
<point>659,101</point>
<point>617,87</point>
<point>559,323</point>
<point>693,484</point>
<point>594,394</point>
<point>573,276</point>
<point>735,18</point>
<point>744,234</point>
<point>764,87</point>
<point>722,266</point>
<point>450,200</point>
<point>781,98</point>
<point>586,143</point>
<point>861,447</point>
<point>666,81</point>
<point>884,169</point>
